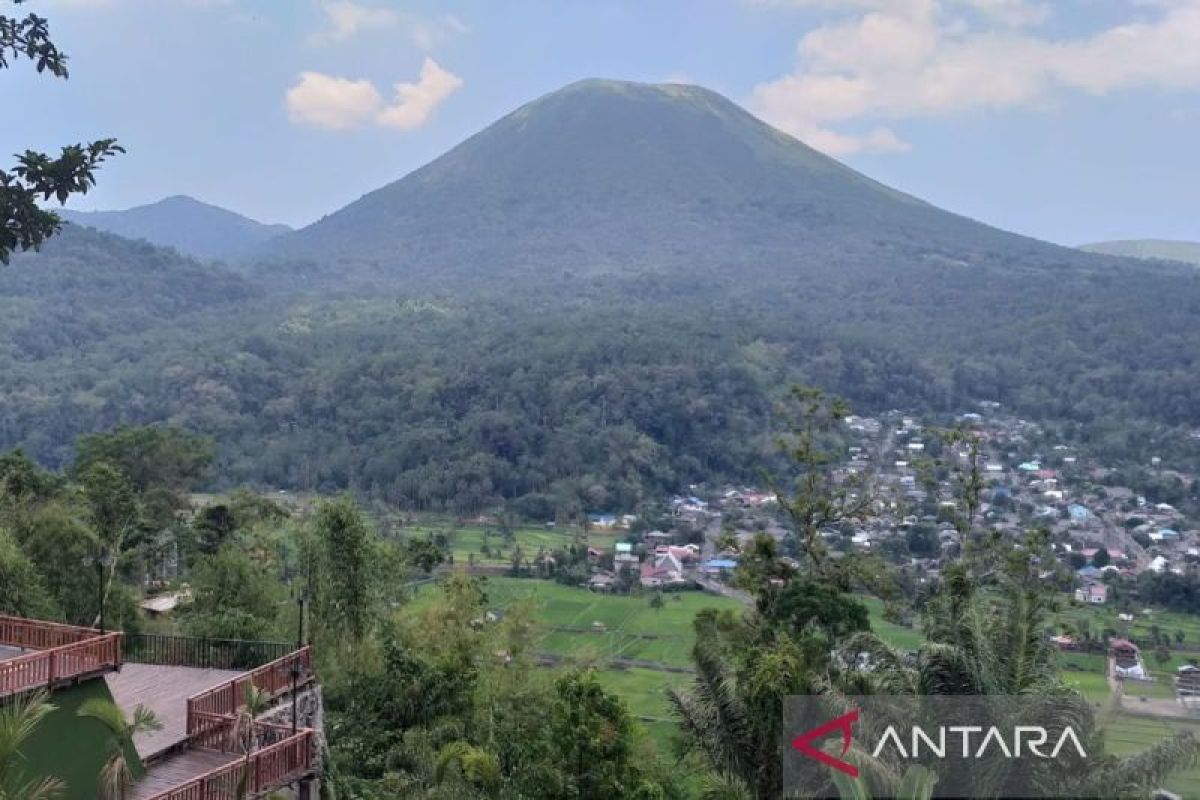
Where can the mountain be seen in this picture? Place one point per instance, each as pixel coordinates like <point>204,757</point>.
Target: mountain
<point>600,299</point>
<point>1159,249</point>
<point>193,228</point>
<point>606,177</point>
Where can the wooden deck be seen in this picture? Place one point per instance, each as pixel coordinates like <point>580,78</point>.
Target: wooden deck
<point>176,770</point>
<point>163,690</point>
<point>7,652</point>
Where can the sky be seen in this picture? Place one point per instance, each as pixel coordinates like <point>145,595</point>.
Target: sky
<point>1073,120</point>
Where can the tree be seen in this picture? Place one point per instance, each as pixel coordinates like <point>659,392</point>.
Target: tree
<point>21,590</point>
<point>590,731</point>
<point>38,177</point>
<point>423,554</point>
<point>347,560</point>
<point>58,543</point>
<point>234,597</point>
<point>1102,558</point>
<point>732,716</point>
<point>116,776</point>
<point>817,499</point>
<point>19,718</point>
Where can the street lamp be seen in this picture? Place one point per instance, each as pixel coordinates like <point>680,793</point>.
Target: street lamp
<point>301,602</point>
<point>102,560</point>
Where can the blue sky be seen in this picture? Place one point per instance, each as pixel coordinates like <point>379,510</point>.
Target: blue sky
<point>1072,121</point>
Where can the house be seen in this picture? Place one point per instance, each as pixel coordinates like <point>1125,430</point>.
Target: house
<point>1164,535</point>
<point>718,566</point>
<point>1124,617</point>
<point>685,554</point>
<point>1078,513</point>
<point>602,582</point>
<point>1158,564</point>
<point>1092,593</point>
<point>1064,642</point>
<point>1126,659</point>
<point>1187,683</point>
<point>624,555</point>
<point>603,520</point>
<point>656,537</point>
<point>165,603</point>
<point>665,572</point>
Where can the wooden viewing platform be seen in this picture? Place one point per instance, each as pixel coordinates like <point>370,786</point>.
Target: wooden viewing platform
<point>52,655</point>
<point>208,748</point>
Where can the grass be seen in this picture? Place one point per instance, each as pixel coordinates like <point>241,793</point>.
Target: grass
<point>73,749</point>
<point>629,627</point>
<point>1127,734</point>
<point>898,636</point>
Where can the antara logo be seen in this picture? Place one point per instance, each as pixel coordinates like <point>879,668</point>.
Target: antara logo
<point>845,724</point>
<point>1033,740</point>
<point>1024,739</point>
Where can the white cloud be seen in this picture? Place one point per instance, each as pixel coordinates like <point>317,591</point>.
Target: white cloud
<point>334,103</point>
<point>415,102</point>
<point>331,102</point>
<point>346,19</point>
<point>890,60</point>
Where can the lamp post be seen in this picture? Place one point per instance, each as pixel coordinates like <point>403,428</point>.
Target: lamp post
<point>102,560</point>
<point>300,603</point>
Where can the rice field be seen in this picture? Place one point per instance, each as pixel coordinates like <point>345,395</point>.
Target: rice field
<point>484,545</point>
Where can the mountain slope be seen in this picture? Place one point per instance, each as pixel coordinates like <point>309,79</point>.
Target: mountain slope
<point>190,226</point>
<point>612,177</point>
<point>1160,249</point>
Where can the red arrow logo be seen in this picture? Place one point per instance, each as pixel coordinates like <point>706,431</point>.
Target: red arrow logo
<point>845,724</point>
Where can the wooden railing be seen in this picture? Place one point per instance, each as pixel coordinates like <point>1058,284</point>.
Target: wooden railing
<point>61,653</point>
<point>33,634</point>
<point>270,768</point>
<point>228,699</point>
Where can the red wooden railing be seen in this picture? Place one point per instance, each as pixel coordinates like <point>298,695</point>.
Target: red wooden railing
<point>35,634</point>
<point>61,653</point>
<point>270,768</point>
<point>228,699</point>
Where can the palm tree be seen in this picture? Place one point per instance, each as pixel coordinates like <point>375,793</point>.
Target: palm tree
<point>256,703</point>
<point>732,715</point>
<point>116,776</point>
<point>19,718</point>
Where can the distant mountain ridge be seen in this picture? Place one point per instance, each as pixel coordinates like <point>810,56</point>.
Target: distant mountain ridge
<point>1160,249</point>
<point>193,228</point>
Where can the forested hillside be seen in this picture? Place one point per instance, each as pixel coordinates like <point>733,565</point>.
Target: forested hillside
<point>597,300</point>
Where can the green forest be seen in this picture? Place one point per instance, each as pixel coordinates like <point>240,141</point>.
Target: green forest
<point>582,387</point>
